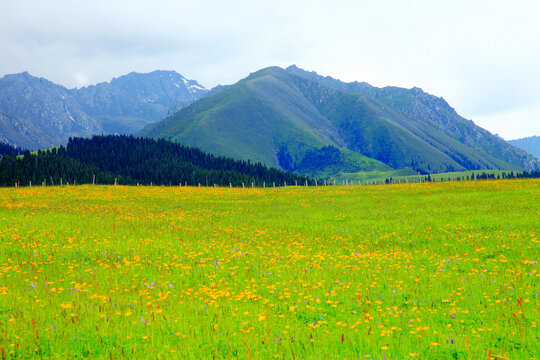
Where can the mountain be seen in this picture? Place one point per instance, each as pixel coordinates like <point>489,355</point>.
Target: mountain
<point>528,144</point>
<point>287,120</point>
<point>433,111</point>
<point>263,118</point>
<point>36,113</point>
<point>132,160</point>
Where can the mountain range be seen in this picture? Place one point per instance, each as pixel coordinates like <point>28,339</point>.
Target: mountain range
<point>286,118</point>
<point>36,113</point>
<point>314,125</point>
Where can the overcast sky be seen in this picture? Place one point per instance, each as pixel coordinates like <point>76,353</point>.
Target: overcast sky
<point>482,56</point>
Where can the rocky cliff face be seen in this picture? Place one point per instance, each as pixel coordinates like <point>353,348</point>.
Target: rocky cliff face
<point>36,113</point>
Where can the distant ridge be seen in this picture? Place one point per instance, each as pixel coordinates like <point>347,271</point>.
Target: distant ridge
<point>529,144</point>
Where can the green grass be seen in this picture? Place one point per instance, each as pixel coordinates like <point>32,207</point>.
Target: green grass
<point>375,176</point>
<point>445,270</point>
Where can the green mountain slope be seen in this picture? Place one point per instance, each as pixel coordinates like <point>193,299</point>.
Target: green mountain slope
<point>382,133</point>
<point>282,119</point>
<point>251,120</point>
<point>435,112</point>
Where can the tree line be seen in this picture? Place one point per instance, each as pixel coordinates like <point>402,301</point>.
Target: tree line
<point>7,149</point>
<point>129,160</point>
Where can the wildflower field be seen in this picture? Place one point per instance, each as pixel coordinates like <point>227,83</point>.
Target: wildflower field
<point>410,271</point>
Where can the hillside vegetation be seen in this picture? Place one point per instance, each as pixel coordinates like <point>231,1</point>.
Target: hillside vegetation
<point>130,160</point>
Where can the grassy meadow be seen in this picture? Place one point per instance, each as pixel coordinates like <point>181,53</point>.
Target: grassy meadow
<point>445,270</point>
